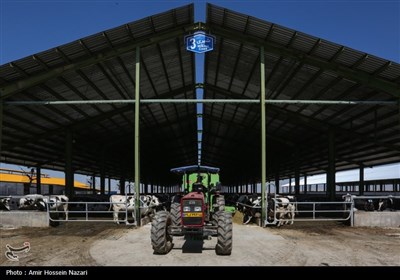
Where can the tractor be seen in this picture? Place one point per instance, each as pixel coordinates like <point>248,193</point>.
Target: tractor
<point>196,213</point>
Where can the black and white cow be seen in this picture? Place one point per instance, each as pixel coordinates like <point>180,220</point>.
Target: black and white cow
<point>57,203</point>
<point>282,209</point>
<point>122,203</point>
<point>387,203</point>
<point>5,203</point>
<point>149,205</point>
<point>32,202</point>
<point>369,205</point>
<point>40,202</point>
<point>250,206</point>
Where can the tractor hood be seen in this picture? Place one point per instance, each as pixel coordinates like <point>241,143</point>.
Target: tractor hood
<point>194,195</point>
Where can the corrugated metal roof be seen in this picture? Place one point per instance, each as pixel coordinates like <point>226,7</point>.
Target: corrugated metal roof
<point>35,134</point>
<point>297,135</point>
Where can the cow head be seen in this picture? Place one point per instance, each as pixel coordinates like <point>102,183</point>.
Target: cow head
<point>5,203</point>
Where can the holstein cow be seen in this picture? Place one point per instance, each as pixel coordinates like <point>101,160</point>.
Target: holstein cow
<point>285,210</point>
<point>57,203</point>
<point>32,202</point>
<point>5,203</point>
<point>122,203</point>
<point>387,203</point>
<point>149,204</point>
<point>250,206</point>
<point>40,202</point>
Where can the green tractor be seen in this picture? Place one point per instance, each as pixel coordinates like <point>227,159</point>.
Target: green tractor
<point>199,212</point>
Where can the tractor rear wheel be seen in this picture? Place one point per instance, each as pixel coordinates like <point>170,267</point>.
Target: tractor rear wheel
<point>176,213</point>
<point>161,240</point>
<point>225,234</point>
<point>220,201</point>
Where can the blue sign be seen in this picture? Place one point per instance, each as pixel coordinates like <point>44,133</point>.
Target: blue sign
<point>199,42</point>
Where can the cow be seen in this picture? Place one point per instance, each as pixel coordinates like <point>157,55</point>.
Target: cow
<point>387,203</point>
<point>369,205</point>
<point>5,203</point>
<point>285,210</point>
<point>57,203</point>
<point>149,204</point>
<point>250,206</point>
<point>32,202</point>
<point>122,203</point>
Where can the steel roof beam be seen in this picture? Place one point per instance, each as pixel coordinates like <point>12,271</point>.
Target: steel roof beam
<point>84,122</point>
<point>33,80</point>
<point>311,122</point>
<point>341,70</point>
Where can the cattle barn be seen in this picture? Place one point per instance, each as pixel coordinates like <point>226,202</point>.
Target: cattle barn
<point>277,103</point>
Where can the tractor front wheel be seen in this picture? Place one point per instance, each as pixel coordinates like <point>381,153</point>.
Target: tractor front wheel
<point>161,240</point>
<point>176,213</point>
<point>225,234</point>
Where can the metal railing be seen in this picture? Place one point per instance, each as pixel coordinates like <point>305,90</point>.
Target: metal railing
<point>54,214</point>
<point>314,214</point>
<point>87,218</point>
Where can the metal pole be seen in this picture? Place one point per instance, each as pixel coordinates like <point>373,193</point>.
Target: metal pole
<point>263,135</point>
<point>277,182</point>
<point>137,148</point>
<point>102,175</point>
<point>122,185</point>
<point>94,184</point>
<point>361,184</point>
<point>1,124</point>
<point>297,180</point>
<point>38,180</point>
<point>234,101</point>
<point>69,175</point>
<point>331,184</point>
<point>305,183</point>
<point>109,185</point>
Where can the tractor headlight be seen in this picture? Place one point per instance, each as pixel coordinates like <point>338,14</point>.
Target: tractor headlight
<point>197,208</point>
<point>186,208</point>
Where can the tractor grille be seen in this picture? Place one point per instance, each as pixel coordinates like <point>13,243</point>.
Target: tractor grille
<point>192,212</point>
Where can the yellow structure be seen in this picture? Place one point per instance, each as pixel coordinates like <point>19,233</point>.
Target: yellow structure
<point>15,176</point>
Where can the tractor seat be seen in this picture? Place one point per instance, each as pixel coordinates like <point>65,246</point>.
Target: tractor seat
<point>198,187</point>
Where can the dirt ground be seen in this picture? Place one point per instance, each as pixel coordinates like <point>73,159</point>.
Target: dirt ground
<point>302,244</point>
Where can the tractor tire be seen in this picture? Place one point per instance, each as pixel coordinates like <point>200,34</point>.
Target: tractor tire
<point>214,219</point>
<point>225,234</point>
<point>220,201</point>
<point>176,213</point>
<point>160,239</point>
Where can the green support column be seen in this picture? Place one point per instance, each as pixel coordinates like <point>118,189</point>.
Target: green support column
<point>69,174</point>
<point>38,180</point>
<point>137,148</point>
<point>331,174</point>
<point>263,135</point>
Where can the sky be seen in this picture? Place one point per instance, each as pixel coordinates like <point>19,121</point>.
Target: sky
<point>29,27</point>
